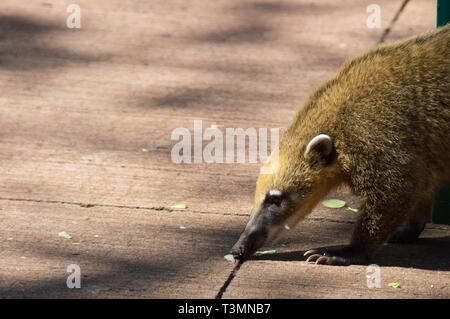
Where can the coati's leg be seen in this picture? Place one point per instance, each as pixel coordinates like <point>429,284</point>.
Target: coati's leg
<point>374,225</point>
<point>413,227</point>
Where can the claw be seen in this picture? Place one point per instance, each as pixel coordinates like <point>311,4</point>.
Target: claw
<point>311,252</point>
<point>313,258</point>
<point>323,260</point>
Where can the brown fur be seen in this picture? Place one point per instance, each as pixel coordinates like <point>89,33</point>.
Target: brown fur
<point>387,112</point>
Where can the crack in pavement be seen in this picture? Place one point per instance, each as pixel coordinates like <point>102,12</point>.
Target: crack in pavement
<point>159,208</point>
<point>394,20</point>
<point>229,280</point>
<point>89,205</point>
<point>168,209</point>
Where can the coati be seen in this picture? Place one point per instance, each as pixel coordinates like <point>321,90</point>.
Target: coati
<point>381,125</point>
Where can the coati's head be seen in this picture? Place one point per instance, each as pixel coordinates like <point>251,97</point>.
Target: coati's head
<point>301,173</point>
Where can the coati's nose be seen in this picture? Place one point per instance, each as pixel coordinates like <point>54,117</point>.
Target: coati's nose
<point>237,250</point>
<point>249,242</point>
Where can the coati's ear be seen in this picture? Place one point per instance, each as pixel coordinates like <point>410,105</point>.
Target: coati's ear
<point>319,150</point>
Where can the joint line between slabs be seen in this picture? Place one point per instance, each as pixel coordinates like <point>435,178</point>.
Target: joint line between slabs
<point>394,20</point>
<point>229,279</point>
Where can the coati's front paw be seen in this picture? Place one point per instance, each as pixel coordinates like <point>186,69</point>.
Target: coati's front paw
<point>336,257</point>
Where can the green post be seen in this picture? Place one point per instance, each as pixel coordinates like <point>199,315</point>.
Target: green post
<point>443,12</point>
<point>441,206</point>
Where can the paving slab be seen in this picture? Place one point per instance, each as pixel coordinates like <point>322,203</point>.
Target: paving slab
<point>126,253</point>
<point>80,105</point>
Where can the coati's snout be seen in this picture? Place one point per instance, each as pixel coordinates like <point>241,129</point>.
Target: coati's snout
<point>249,242</point>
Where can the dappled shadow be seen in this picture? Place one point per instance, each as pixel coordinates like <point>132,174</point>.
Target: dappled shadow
<point>24,45</point>
<point>254,27</point>
<point>122,278</point>
<point>106,274</point>
<point>210,96</point>
<point>246,23</point>
<point>12,27</point>
<point>254,33</point>
<point>259,7</point>
<point>251,28</point>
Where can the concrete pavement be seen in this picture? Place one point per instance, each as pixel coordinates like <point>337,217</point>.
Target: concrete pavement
<point>79,105</point>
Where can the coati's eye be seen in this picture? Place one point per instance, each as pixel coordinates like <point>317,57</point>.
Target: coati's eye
<point>273,198</point>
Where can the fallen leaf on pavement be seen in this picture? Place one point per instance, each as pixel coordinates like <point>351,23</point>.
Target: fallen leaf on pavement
<point>64,235</point>
<point>265,252</point>
<point>183,206</point>
<point>333,203</point>
<point>229,257</point>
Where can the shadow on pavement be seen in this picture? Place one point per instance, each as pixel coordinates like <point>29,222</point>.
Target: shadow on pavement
<point>24,45</point>
<point>425,253</point>
<point>110,271</point>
